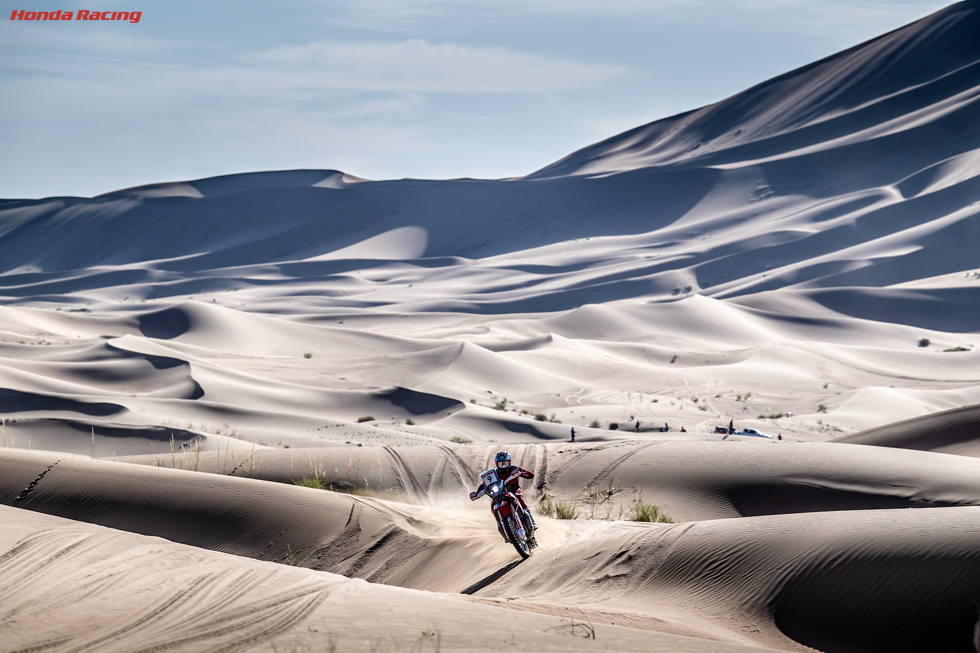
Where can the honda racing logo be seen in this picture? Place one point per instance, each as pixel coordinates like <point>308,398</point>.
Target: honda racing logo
<point>131,16</point>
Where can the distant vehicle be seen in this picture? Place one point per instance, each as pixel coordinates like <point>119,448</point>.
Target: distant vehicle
<point>721,429</point>
<point>753,433</point>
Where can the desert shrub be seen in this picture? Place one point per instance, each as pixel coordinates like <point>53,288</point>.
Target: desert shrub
<point>541,417</point>
<point>310,481</point>
<point>613,426</point>
<point>365,418</point>
<point>924,342</point>
<point>595,424</point>
<point>546,506</point>
<point>410,421</point>
<point>525,411</point>
<point>565,510</point>
<point>291,558</point>
<point>956,349</point>
<point>500,405</point>
<point>773,416</point>
<point>648,512</point>
<point>307,355</point>
<point>472,401</point>
<point>822,408</point>
<point>459,439</point>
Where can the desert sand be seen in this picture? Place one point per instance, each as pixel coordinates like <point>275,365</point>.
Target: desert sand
<point>802,259</point>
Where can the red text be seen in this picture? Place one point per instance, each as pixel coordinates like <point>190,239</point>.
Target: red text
<point>131,16</point>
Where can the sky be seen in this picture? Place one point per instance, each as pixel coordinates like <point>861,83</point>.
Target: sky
<point>380,89</point>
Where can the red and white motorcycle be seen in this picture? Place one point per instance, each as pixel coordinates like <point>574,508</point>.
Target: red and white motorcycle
<point>513,521</point>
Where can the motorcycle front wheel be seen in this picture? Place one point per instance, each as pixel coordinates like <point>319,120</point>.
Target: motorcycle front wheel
<point>521,545</point>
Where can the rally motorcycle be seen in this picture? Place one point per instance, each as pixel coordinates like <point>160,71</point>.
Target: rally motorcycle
<point>513,522</point>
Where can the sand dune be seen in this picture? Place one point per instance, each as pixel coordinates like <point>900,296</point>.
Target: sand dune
<point>953,431</point>
<point>248,376</point>
<point>763,581</point>
<point>886,86</point>
<point>100,589</point>
<point>691,479</point>
<point>888,580</point>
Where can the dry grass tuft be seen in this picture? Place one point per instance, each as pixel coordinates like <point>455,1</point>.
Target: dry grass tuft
<point>310,481</point>
<point>556,509</point>
<point>649,512</point>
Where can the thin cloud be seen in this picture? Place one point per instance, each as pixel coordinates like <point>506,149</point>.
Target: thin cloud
<point>838,23</point>
<point>419,66</point>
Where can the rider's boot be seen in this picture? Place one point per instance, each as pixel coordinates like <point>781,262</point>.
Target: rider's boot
<point>534,526</point>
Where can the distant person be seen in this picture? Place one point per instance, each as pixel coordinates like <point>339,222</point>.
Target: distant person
<point>683,430</point>
<point>666,427</point>
<point>731,426</point>
<point>779,437</point>
<point>573,434</point>
<point>637,426</point>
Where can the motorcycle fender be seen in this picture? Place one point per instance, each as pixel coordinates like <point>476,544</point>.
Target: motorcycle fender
<point>504,510</point>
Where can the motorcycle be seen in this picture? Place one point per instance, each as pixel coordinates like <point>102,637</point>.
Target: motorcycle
<point>513,522</point>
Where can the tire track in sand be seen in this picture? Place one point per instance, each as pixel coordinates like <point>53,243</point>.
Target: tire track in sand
<point>409,482</point>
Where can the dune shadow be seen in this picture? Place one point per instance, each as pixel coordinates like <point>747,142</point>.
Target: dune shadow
<point>902,603</point>
<point>418,403</point>
<point>167,324</point>
<point>492,578</point>
<point>781,498</point>
<point>16,401</point>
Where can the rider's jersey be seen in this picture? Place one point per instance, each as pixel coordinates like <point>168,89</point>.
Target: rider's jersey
<point>507,472</point>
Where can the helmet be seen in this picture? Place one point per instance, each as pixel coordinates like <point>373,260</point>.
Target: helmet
<point>502,459</point>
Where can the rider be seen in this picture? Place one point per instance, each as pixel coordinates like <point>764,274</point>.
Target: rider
<point>504,471</point>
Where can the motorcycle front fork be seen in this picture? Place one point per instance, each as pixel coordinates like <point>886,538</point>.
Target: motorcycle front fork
<point>503,533</point>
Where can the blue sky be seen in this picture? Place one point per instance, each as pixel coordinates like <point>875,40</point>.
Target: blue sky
<point>380,89</point>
